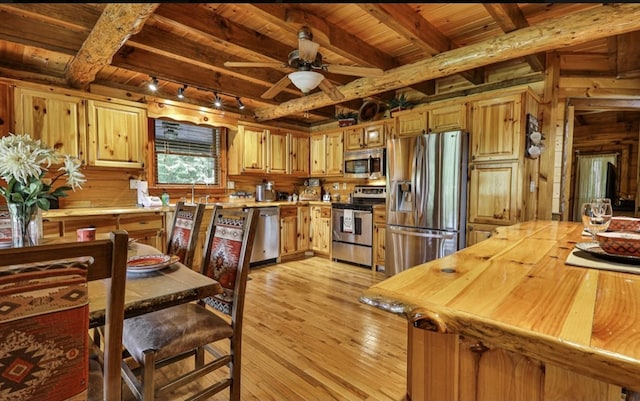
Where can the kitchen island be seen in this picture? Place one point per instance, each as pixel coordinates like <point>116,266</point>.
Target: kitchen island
<point>507,319</point>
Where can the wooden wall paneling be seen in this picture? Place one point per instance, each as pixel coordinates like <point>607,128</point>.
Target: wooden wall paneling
<point>548,126</point>
<point>6,109</point>
<point>104,188</point>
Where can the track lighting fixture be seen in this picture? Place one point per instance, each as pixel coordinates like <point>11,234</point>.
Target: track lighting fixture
<point>181,92</point>
<point>240,104</point>
<point>216,100</point>
<point>153,85</point>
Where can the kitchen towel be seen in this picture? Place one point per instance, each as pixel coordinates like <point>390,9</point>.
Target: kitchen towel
<point>347,221</point>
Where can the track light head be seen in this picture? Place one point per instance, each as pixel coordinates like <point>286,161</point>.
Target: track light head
<point>216,100</point>
<point>181,92</point>
<point>240,104</point>
<point>153,85</point>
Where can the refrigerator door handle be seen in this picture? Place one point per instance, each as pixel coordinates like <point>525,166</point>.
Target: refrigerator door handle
<point>447,235</point>
<point>417,180</point>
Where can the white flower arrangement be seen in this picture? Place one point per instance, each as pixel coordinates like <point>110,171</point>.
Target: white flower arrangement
<point>24,162</point>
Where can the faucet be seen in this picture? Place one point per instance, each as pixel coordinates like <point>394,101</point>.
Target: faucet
<point>193,189</point>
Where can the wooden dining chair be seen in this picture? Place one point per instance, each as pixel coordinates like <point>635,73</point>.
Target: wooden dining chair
<point>184,231</point>
<point>44,318</point>
<point>170,335</point>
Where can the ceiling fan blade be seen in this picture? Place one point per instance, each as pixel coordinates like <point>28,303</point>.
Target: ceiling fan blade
<point>356,71</point>
<point>331,90</point>
<point>253,64</point>
<point>307,50</point>
<point>276,88</point>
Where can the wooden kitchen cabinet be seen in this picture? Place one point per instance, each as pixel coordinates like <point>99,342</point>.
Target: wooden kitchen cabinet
<point>479,232</point>
<point>294,230</point>
<point>497,126</point>
<point>254,149</point>
<point>117,135</point>
<point>364,136</point>
<point>304,222</point>
<point>58,120</point>
<point>494,193</point>
<point>327,154</point>
<point>320,229</point>
<point>379,229</point>
<point>411,122</point>
<point>317,155</point>
<point>299,154</point>
<point>277,152</point>
<point>335,154</point>
<point>448,118</point>
<point>288,230</point>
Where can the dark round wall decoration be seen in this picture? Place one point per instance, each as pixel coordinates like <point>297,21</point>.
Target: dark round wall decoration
<point>368,111</point>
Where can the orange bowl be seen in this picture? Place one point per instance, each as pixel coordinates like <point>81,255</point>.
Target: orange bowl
<point>620,243</point>
<point>624,224</point>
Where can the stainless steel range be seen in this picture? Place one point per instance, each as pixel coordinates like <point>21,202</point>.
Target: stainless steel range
<point>352,239</point>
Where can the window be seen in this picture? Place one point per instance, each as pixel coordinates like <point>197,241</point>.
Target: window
<point>187,153</point>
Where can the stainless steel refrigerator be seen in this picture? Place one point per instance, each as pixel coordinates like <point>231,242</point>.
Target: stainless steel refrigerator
<point>426,198</point>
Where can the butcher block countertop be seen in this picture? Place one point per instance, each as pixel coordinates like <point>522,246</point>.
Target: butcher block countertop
<point>514,291</point>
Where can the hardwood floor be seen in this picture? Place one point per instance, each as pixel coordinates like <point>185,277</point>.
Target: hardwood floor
<point>307,337</point>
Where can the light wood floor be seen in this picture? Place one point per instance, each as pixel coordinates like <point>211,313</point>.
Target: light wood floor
<point>307,337</point>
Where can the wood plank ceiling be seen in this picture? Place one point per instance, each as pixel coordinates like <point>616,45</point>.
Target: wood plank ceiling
<point>437,49</point>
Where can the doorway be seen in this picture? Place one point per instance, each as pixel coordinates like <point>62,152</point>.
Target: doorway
<point>599,132</point>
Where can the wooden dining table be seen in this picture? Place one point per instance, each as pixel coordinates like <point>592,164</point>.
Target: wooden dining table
<point>154,290</point>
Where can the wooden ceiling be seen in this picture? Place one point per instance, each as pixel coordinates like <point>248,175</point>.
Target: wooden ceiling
<point>436,49</point>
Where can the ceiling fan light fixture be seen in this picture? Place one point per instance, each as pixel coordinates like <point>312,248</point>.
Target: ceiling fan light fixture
<point>306,81</point>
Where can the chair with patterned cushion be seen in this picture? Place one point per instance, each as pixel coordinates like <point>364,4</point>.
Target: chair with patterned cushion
<point>163,337</point>
<point>44,318</point>
<point>184,231</point>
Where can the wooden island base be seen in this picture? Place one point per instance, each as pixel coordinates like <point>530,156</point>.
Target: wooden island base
<point>454,367</point>
<point>508,319</point>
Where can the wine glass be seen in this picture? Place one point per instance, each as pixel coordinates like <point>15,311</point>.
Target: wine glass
<point>596,217</point>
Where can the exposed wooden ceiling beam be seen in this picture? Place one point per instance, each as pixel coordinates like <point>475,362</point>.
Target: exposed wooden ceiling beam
<point>336,40</point>
<point>115,25</point>
<point>510,17</point>
<point>555,33</point>
<point>413,27</point>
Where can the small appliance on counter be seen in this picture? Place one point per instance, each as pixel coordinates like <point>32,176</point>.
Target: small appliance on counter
<point>265,192</point>
<point>311,191</point>
<point>144,198</point>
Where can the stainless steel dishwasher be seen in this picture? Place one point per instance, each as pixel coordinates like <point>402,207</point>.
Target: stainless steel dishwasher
<point>266,245</point>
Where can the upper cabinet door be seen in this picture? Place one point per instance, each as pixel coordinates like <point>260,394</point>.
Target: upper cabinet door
<point>278,152</point>
<point>496,129</point>
<point>57,120</point>
<point>317,155</point>
<point>254,149</point>
<point>448,118</point>
<point>299,155</point>
<point>374,135</point>
<point>335,153</point>
<point>411,122</point>
<point>117,135</point>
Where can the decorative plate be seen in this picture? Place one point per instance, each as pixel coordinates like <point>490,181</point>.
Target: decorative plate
<point>594,249</point>
<point>149,263</point>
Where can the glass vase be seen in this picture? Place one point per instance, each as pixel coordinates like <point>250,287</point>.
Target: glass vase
<point>26,224</point>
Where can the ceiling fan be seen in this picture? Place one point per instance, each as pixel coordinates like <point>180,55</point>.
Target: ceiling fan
<point>307,61</point>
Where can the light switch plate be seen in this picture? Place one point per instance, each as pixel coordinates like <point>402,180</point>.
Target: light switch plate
<point>133,183</point>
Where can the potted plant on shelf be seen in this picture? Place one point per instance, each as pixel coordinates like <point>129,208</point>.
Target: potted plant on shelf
<point>398,103</point>
<point>347,118</point>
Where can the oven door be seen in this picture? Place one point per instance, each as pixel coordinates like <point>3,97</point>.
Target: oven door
<point>360,232</point>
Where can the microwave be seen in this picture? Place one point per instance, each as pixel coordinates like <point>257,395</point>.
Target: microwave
<point>368,163</point>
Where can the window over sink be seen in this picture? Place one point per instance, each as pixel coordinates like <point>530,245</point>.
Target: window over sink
<point>186,154</point>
